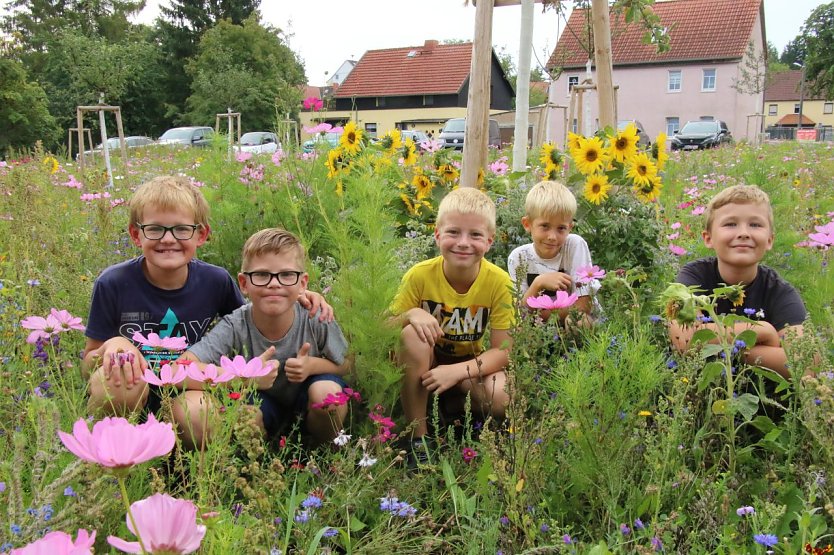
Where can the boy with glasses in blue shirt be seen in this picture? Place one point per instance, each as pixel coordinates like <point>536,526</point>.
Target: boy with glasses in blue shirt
<point>165,291</point>
<point>311,355</point>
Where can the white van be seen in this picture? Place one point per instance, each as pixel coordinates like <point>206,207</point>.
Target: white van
<point>451,136</point>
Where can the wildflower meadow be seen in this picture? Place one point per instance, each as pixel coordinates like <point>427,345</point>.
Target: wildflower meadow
<point>613,442</point>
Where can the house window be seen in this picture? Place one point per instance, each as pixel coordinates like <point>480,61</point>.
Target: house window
<point>574,126</point>
<point>370,129</point>
<point>380,102</point>
<point>672,125</point>
<point>428,100</point>
<point>674,84</point>
<point>572,80</point>
<point>772,110</point>
<point>828,108</point>
<point>708,81</point>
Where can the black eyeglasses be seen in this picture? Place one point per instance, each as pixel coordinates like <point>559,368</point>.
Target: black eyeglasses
<point>181,232</point>
<point>287,278</point>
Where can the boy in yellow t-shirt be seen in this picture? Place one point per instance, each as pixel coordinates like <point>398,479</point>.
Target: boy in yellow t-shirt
<point>445,305</point>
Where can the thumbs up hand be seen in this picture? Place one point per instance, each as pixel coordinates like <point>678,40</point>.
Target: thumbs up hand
<point>265,382</point>
<point>298,367</point>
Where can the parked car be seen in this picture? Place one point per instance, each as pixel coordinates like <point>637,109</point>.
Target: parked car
<point>330,139</point>
<point>416,136</point>
<point>643,140</point>
<point>187,136</point>
<point>452,134</point>
<point>113,145</point>
<point>259,142</point>
<point>701,134</point>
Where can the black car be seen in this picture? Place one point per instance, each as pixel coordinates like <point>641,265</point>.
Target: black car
<point>696,135</point>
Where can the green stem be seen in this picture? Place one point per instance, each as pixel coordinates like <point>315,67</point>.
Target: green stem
<point>126,501</point>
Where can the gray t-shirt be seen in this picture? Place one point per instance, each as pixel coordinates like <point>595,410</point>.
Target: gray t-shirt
<point>236,334</point>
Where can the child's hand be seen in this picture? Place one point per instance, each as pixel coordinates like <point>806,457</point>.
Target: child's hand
<point>122,361</point>
<point>552,281</point>
<point>265,382</point>
<point>426,326</point>
<point>297,369</point>
<point>314,302</point>
<point>440,378</point>
<point>766,334</point>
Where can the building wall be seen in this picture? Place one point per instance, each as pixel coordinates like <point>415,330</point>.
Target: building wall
<point>813,109</point>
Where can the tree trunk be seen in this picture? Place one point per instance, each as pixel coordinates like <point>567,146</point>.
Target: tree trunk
<point>602,60</point>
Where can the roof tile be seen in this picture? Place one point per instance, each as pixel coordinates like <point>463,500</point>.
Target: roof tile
<point>698,30</point>
<point>428,69</point>
<point>784,86</point>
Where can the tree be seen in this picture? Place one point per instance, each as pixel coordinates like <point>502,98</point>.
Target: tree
<point>24,113</point>
<point>754,73</point>
<point>248,68</point>
<point>818,34</point>
<point>794,52</point>
<point>179,30</point>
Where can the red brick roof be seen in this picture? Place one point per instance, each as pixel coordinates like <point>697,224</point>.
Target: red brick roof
<point>428,69</point>
<point>792,119</point>
<point>784,86</point>
<point>698,30</point>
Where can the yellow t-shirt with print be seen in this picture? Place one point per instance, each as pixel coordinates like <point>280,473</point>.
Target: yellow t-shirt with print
<point>463,317</point>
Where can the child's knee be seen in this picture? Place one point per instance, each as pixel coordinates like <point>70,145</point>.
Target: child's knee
<point>319,390</point>
<point>411,342</point>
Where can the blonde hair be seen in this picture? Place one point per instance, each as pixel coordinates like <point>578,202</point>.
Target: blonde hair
<point>467,200</point>
<point>548,199</point>
<point>169,193</point>
<point>273,240</point>
<point>738,194</point>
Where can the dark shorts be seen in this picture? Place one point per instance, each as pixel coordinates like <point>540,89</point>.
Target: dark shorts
<point>276,416</point>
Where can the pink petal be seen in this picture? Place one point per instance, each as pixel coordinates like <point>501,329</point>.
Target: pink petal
<point>150,376</point>
<point>122,545</point>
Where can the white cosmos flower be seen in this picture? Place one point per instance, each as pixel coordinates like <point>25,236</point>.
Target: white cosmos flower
<point>342,439</point>
<point>366,461</point>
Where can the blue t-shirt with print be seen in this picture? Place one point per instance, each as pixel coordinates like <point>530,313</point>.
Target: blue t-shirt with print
<point>125,302</point>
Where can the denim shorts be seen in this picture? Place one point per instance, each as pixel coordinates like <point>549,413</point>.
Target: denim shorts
<point>276,416</point>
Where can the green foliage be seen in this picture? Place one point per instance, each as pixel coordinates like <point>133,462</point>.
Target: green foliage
<point>818,35</point>
<point>246,67</point>
<point>24,113</point>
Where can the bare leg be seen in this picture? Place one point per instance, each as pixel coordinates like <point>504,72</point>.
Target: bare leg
<point>324,425</point>
<point>415,357</point>
<point>107,399</point>
<point>192,420</point>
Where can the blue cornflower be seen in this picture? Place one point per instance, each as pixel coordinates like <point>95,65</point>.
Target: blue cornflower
<point>302,516</point>
<point>624,529</point>
<point>746,510</point>
<point>767,540</point>
<point>330,532</point>
<point>277,521</point>
<point>657,545</point>
<point>386,503</point>
<point>749,311</point>
<point>69,492</point>
<point>817,402</point>
<point>538,441</point>
<point>14,529</point>
<point>638,524</point>
<point>504,521</point>
<point>654,319</point>
<point>2,487</point>
<point>404,510</point>
<point>312,502</point>
<point>567,539</point>
<point>671,364</point>
<point>46,513</point>
<point>544,528</point>
<point>33,282</point>
<point>6,547</point>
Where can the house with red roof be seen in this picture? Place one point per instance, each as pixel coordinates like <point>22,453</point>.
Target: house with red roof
<point>782,99</point>
<point>414,88</point>
<point>694,80</point>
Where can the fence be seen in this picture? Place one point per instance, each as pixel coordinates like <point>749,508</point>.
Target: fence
<point>824,133</point>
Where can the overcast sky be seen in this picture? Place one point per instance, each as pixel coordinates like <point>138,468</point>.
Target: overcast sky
<point>325,33</point>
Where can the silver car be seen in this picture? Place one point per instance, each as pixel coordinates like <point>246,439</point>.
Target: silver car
<point>259,142</point>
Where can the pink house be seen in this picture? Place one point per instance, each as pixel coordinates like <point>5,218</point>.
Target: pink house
<point>692,81</point>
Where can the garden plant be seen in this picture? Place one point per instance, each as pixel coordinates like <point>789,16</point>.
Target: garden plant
<point>613,443</point>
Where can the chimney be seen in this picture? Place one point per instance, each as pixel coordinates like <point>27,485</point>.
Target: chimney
<point>429,45</point>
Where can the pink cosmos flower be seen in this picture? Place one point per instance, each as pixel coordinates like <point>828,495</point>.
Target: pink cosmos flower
<point>320,128</point>
<point>698,210</point>
<point>676,225</point>
<point>166,525</point>
<point>73,183</point>
<point>561,300</point>
<point>243,156</point>
<point>166,375</point>
<point>499,167</point>
<point>59,543</point>
<point>41,327</point>
<point>313,103</point>
<point>587,274</point>
<point>238,366</point>
<point>116,443</point>
<point>431,145</point>
<point>676,250</point>
<point>277,156</point>
<point>155,342</point>
<point>66,320</point>
<point>209,374</point>
<point>673,236</point>
<point>824,236</point>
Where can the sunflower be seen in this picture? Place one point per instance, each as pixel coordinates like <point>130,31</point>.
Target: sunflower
<point>336,162</point>
<point>550,155</point>
<point>351,139</point>
<point>736,296</point>
<point>659,151</point>
<point>340,188</point>
<point>422,184</point>
<point>589,157</point>
<point>641,170</point>
<point>382,163</point>
<point>650,190</point>
<point>596,188</point>
<point>480,179</point>
<point>51,163</point>
<point>408,152</point>
<point>574,141</point>
<point>391,141</point>
<point>448,173</point>
<point>551,173</point>
<point>624,145</point>
<point>413,208</point>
